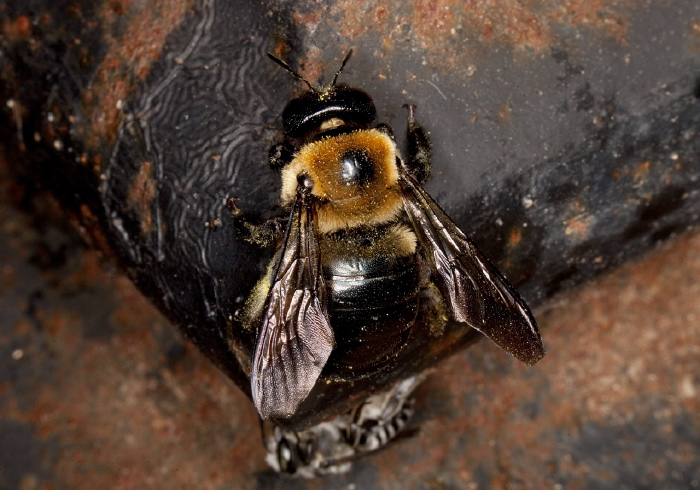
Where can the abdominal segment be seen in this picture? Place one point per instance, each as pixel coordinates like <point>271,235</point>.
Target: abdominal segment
<point>372,317</point>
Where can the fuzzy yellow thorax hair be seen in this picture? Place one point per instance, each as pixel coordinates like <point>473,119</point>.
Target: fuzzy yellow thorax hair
<point>340,205</point>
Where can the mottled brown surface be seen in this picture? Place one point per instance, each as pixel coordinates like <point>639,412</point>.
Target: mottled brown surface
<point>135,38</point>
<point>621,373</point>
<point>98,391</point>
<point>141,194</point>
<point>448,30</point>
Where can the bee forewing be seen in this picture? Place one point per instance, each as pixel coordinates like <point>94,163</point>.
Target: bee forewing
<point>295,338</point>
<point>474,290</point>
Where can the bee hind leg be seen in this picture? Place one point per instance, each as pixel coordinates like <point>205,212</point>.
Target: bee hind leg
<point>264,234</point>
<point>419,152</point>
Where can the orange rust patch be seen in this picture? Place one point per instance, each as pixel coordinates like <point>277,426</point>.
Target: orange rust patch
<point>602,15</point>
<point>514,237</point>
<point>88,226</point>
<point>129,57</point>
<point>22,328</point>
<point>579,226</point>
<point>15,30</point>
<point>641,171</point>
<point>8,278</point>
<point>504,115</point>
<point>23,26</point>
<point>141,194</point>
<point>694,37</point>
<point>447,30</point>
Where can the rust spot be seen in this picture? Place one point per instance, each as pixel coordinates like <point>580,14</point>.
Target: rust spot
<point>8,278</point>
<point>280,49</point>
<point>381,13</point>
<point>514,237</point>
<point>694,37</point>
<point>579,226</point>
<point>56,323</point>
<point>119,7</point>
<point>141,194</point>
<point>450,30</point>
<point>504,115</point>
<point>90,271</point>
<point>23,327</point>
<point>15,30</point>
<point>602,15</point>
<point>129,58</point>
<point>641,171</point>
<point>88,226</point>
<point>23,26</point>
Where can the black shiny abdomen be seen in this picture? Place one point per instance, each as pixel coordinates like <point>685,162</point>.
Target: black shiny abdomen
<point>372,303</point>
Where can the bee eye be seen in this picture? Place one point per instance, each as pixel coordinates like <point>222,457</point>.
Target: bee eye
<point>355,167</point>
<point>305,182</point>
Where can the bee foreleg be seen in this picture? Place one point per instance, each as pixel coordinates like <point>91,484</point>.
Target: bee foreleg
<point>263,234</point>
<point>419,152</point>
<point>280,155</point>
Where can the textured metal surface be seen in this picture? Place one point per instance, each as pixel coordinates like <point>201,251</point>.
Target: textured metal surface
<point>565,133</point>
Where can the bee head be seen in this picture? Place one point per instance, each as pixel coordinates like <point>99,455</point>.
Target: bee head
<point>308,112</point>
<point>350,168</point>
<point>324,107</point>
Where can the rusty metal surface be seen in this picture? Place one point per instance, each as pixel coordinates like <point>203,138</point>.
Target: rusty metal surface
<point>97,390</point>
<point>565,133</point>
<point>565,136</point>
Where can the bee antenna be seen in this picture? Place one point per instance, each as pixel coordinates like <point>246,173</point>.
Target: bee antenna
<point>345,60</point>
<point>291,71</point>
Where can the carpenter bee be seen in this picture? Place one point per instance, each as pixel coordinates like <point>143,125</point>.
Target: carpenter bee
<point>368,264</point>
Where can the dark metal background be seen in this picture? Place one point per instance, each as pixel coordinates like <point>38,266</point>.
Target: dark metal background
<point>565,134</point>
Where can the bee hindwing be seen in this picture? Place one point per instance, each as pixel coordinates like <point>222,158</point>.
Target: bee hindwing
<point>474,290</point>
<point>295,337</point>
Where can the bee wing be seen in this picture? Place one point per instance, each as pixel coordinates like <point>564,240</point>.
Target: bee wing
<point>295,338</point>
<point>474,290</point>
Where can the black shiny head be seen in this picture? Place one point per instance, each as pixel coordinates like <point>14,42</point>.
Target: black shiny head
<point>308,111</point>
<point>317,105</point>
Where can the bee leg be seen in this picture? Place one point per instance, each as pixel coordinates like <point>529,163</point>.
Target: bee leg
<point>419,152</point>
<point>264,234</point>
<point>280,155</point>
<point>386,129</point>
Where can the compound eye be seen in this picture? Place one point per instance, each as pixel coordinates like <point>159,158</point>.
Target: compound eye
<point>355,168</point>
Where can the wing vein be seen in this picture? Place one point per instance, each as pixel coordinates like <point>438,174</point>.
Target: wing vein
<point>474,290</point>
<point>295,337</point>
